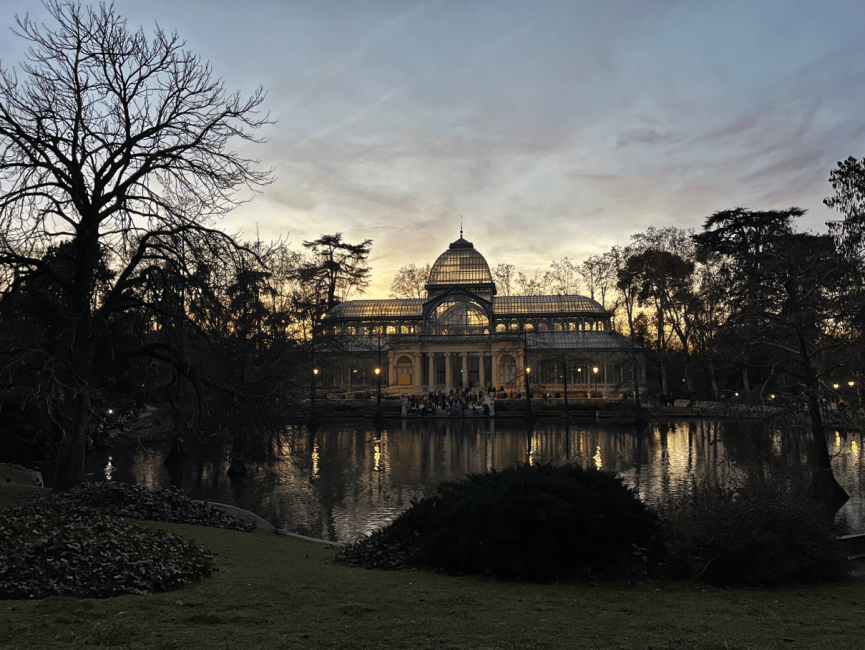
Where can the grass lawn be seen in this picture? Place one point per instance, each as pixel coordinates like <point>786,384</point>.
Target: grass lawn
<point>274,592</point>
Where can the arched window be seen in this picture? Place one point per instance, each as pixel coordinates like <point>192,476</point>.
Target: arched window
<point>507,370</point>
<point>550,370</point>
<point>404,368</point>
<point>458,315</point>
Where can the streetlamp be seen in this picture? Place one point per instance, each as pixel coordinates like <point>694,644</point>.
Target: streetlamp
<point>529,413</point>
<point>595,373</point>
<point>312,420</point>
<point>377,387</point>
<point>565,373</point>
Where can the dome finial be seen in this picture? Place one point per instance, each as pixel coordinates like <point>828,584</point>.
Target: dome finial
<point>461,226</point>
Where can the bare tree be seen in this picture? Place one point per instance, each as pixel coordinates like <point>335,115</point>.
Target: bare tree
<point>599,274</point>
<point>564,278</point>
<point>111,141</point>
<point>410,282</point>
<point>504,277</point>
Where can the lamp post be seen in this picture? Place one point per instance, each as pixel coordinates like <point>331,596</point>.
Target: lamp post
<point>315,372</point>
<point>529,413</point>
<point>595,374</point>
<point>312,420</point>
<point>565,373</point>
<point>378,388</point>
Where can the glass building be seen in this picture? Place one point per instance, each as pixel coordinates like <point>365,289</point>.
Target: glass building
<point>463,335</point>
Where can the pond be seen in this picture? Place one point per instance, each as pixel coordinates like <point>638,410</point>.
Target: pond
<point>347,480</point>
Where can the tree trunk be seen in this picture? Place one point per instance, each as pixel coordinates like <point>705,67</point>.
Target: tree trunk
<point>715,392</point>
<point>237,468</point>
<point>178,452</point>
<point>824,487</point>
<point>69,467</point>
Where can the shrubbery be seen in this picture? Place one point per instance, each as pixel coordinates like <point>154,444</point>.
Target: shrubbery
<point>155,504</point>
<point>535,523</point>
<point>66,550</point>
<point>760,533</point>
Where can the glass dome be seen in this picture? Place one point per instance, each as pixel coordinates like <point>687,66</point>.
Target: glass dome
<point>461,264</point>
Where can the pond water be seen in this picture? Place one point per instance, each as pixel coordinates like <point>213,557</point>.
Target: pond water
<point>346,479</point>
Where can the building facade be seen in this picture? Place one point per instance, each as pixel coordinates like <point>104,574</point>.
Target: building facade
<point>464,335</point>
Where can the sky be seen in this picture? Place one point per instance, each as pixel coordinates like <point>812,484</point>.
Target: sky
<point>552,129</point>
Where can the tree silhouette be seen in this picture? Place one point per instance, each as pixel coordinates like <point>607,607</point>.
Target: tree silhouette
<point>117,145</point>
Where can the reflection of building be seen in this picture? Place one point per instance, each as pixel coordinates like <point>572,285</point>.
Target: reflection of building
<point>463,334</point>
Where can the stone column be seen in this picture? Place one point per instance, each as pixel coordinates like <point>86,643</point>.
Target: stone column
<point>417,371</point>
<point>481,373</point>
<point>448,372</point>
<point>495,369</point>
<point>465,375</point>
<point>432,370</point>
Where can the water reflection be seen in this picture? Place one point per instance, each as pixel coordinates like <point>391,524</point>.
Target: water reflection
<point>347,478</point>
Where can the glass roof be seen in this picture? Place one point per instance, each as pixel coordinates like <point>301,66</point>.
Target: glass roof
<point>577,341</point>
<point>504,306</point>
<point>460,264</point>
<point>407,308</point>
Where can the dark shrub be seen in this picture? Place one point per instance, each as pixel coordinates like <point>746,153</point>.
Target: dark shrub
<point>531,522</point>
<point>53,550</point>
<point>761,533</point>
<point>155,504</point>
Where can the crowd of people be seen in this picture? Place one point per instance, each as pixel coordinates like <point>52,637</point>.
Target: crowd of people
<point>455,401</point>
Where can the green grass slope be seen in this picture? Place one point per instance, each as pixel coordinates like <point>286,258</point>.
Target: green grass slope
<point>277,592</point>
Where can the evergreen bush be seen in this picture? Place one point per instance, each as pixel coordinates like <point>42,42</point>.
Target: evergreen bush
<point>526,522</point>
<point>66,550</point>
<point>761,532</point>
